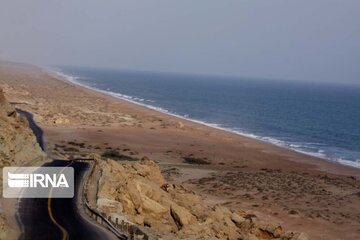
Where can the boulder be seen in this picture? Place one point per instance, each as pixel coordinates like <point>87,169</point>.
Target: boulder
<point>181,216</point>
<point>301,236</point>
<point>238,220</point>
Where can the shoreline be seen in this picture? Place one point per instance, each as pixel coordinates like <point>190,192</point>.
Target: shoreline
<point>301,192</point>
<point>58,74</point>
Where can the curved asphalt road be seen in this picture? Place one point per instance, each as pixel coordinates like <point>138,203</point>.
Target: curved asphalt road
<point>38,132</point>
<point>58,218</point>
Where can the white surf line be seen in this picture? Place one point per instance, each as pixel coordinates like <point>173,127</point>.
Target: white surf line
<point>72,79</point>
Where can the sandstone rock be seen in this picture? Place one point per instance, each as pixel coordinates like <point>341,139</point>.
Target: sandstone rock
<point>107,205</point>
<point>153,207</point>
<point>238,220</point>
<point>267,229</point>
<point>139,219</point>
<point>61,121</point>
<point>18,144</point>
<point>301,236</point>
<point>148,166</point>
<point>231,229</point>
<point>221,212</point>
<point>135,197</point>
<point>251,237</point>
<point>5,107</point>
<point>161,227</point>
<point>171,211</point>
<point>268,232</point>
<point>168,187</point>
<point>181,216</point>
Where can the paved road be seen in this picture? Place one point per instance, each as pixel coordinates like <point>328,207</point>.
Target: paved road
<point>59,218</point>
<point>38,132</point>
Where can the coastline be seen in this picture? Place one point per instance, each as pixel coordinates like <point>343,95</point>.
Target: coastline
<point>57,73</point>
<point>301,192</point>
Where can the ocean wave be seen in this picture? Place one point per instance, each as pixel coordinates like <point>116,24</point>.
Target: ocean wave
<point>355,163</point>
<point>70,78</point>
<point>298,147</point>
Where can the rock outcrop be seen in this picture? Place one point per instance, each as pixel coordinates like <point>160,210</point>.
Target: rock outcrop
<point>18,144</point>
<point>139,193</point>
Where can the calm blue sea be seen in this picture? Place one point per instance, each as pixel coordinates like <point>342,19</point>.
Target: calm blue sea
<point>318,119</point>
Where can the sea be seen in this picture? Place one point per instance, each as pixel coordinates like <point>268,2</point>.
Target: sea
<point>318,119</point>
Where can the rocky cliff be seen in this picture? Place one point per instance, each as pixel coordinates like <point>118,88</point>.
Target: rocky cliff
<point>17,142</point>
<point>139,194</point>
<point>18,147</point>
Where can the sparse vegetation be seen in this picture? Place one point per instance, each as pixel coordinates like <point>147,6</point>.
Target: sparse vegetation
<point>70,149</point>
<point>59,146</point>
<point>114,154</point>
<point>293,212</point>
<point>81,145</point>
<point>194,160</point>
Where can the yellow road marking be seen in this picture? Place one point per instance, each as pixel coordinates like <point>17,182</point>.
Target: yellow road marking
<point>62,229</point>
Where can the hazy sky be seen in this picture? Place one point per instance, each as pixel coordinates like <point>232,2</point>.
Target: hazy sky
<point>287,39</point>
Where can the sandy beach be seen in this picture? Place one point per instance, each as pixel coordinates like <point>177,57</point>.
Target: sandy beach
<point>303,193</point>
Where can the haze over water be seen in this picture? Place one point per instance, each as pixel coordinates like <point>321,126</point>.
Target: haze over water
<point>320,119</point>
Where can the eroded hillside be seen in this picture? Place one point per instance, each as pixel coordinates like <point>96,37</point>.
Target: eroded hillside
<point>138,193</point>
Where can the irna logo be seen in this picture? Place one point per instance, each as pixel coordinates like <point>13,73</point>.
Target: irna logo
<point>34,180</point>
<point>38,182</point>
